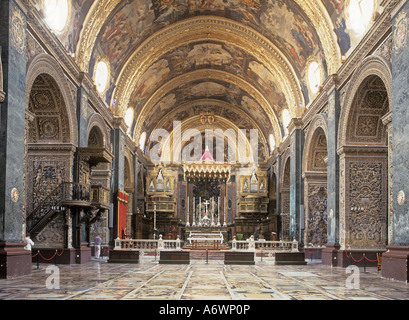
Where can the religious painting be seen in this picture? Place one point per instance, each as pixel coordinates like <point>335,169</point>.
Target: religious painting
<point>150,80</point>
<point>400,32</point>
<point>267,81</point>
<point>335,9</point>
<point>133,21</point>
<point>350,19</point>
<point>17,30</point>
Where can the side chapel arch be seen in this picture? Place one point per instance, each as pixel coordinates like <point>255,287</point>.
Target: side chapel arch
<point>365,171</point>
<point>315,181</point>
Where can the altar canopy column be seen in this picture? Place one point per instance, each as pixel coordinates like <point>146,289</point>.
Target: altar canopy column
<point>395,262</point>
<point>334,108</point>
<point>296,180</point>
<point>14,260</point>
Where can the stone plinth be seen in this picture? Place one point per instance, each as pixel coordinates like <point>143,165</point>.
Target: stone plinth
<point>290,258</point>
<point>246,258</point>
<point>174,257</point>
<point>123,256</point>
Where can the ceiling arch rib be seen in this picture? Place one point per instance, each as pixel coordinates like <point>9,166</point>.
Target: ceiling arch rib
<point>94,21</point>
<point>208,28</point>
<point>321,20</point>
<point>213,75</point>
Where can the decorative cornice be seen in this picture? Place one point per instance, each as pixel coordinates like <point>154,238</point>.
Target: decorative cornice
<point>360,150</point>
<point>50,43</point>
<point>295,123</point>
<point>119,123</point>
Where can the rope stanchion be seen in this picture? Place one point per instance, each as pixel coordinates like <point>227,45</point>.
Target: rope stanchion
<point>46,258</point>
<point>371,260</point>
<point>351,257</point>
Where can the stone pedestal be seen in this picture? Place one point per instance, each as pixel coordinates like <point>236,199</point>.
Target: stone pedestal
<point>15,261</point>
<point>395,263</point>
<point>83,254</point>
<point>329,255</point>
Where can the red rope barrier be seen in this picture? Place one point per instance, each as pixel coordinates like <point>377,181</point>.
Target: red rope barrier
<point>363,256</point>
<point>371,260</point>
<point>50,258</point>
<point>35,254</point>
<point>357,261</point>
<point>61,252</point>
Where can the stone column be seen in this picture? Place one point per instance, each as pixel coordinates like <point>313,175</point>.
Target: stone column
<point>334,108</point>
<point>296,180</point>
<point>14,260</point>
<point>395,262</point>
<point>118,169</point>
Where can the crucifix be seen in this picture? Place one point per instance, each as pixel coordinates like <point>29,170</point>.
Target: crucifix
<point>206,203</point>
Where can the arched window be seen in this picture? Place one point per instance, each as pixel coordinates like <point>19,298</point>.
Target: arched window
<point>272,143</point>
<point>129,117</point>
<point>286,120</point>
<point>142,141</point>
<point>314,77</point>
<point>101,76</point>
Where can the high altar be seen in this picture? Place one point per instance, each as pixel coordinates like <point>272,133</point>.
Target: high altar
<point>208,197</point>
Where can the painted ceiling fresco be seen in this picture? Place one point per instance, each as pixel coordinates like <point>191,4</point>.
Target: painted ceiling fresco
<point>208,55</point>
<point>132,22</point>
<point>289,25</point>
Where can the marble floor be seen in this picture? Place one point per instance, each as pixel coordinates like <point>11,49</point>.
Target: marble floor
<point>99,280</point>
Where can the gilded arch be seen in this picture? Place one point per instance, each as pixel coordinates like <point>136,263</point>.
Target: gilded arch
<point>319,121</point>
<point>96,120</point>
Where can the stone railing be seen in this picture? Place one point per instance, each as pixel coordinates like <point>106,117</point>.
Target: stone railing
<point>147,245</point>
<point>253,245</point>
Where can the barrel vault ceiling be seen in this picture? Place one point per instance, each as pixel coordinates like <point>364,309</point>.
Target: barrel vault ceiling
<point>243,61</point>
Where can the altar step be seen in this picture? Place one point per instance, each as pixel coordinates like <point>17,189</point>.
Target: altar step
<point>211,255</point>
<point>208,247</point>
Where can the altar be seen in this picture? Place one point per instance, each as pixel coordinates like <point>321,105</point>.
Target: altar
<point>202,238</point>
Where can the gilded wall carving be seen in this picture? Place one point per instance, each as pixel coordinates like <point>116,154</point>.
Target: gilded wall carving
<point>44,176</point>
<point>53,233</point>
<point>366,205</point>
<point>316,226</point>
